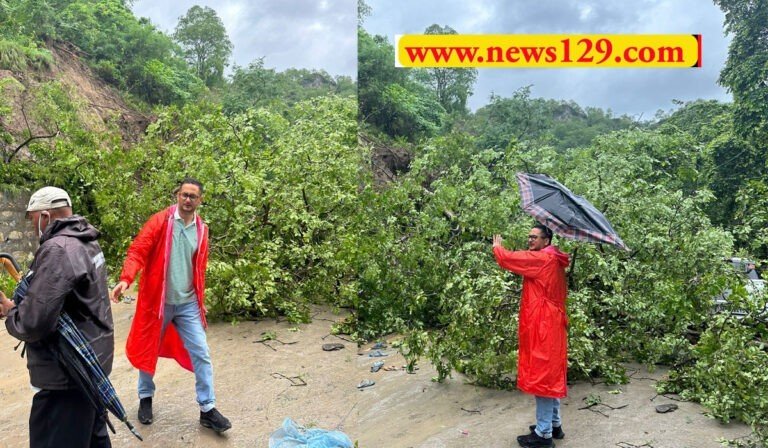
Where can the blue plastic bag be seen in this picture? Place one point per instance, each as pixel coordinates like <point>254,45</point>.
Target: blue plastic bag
<point>291,435</point>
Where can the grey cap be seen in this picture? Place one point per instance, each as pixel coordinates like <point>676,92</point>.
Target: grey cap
<point>48,198</point>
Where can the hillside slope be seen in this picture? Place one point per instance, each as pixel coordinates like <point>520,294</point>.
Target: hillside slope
<point>35,101</point>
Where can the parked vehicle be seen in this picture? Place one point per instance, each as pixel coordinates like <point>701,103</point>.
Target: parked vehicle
<point>753,284</point>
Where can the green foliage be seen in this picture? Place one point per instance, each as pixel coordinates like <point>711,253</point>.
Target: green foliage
<point>742,156</point>
<point>736,162</point>
<point>282,191</point>
<point>8,87</point>
<point>257,86</point>
<point>705,120</point>
<point>33,18</point>
<point>561,124</point>
<point>302,84</point>
<point>16,56</point>
<point>252,87</point>
<point>363,11</point>
<point>128,50</point>
<point>74,158</point>
<point>664,286</point>
<point>729,375</point>
<point>121,48</point>
<point>745,69</point>
<point>388,99</point>
<point>280,196</point>
<point>752,214</point>
<point>164,85</point>
<point>409,113</point>
<point>206,45</point>
<point>431,274</point>
<point>732,166</point>
<point>431,266</point>
<point>451,86</point>
<point>294,219</point>
<point>7,283</point>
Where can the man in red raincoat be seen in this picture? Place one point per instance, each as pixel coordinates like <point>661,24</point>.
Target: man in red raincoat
<point>542,359</point>
<point>172,251</point>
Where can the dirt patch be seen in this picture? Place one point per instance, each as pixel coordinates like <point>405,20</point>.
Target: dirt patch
<point>100,107</point>
<point>410,410</point>
<point>257,387</point>
<point>103,103</point>
<point>254,385</point>
<point>387,160</point>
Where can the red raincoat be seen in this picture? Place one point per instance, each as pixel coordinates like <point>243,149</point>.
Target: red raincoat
<point>150,252</point>
<point>542,359</point>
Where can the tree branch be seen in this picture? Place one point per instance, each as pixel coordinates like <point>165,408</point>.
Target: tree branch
<point>10,156</point>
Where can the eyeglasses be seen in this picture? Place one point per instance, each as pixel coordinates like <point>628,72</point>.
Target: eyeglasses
<point>533,237</point>
<point>191,197</point>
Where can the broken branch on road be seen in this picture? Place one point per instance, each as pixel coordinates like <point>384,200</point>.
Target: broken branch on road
<point>295,380</point>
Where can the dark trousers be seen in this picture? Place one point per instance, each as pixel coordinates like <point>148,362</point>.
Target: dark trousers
<point>65,418</point>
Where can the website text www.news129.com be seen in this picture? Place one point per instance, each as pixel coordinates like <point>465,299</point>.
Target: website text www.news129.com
<point>549,51</point>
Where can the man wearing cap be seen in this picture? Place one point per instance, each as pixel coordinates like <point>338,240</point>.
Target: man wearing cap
<point>67,274</point>
<point>172,251</point>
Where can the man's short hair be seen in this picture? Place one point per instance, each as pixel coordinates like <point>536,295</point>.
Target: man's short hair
<point>545,231</point>
<point>192,181</point>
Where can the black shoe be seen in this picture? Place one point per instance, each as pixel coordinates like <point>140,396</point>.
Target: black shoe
<point>533,440</point>
<point>145,410</point>
<point>557,431</point>
<point>214,420</point>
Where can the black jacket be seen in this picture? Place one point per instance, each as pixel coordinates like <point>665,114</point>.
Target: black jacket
<point>68,273</point>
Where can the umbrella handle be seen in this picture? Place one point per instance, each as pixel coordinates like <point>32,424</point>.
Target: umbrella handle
<point>10,265</point>
<point>133,430</point>
<point>569,274</point>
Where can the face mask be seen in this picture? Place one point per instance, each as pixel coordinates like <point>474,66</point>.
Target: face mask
<point>39,224</point>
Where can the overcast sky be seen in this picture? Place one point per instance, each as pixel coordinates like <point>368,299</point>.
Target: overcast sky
<point>636,92</point>
<point>313,34</point>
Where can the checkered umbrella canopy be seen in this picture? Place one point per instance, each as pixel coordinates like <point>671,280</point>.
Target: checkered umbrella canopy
<point>568,215</point>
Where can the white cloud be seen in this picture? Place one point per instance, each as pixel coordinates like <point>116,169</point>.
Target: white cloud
<point>287,33</point>
<point>478,17</point>
<point>584,12</point>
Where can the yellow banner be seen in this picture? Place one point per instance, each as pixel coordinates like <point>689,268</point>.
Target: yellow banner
<point>548,50</point>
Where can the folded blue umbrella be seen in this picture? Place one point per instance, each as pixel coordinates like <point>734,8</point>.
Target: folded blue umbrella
<point>77,357</point>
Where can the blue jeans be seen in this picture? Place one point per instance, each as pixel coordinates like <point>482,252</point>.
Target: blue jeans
<point>547,416</point>
<point>186,319</point>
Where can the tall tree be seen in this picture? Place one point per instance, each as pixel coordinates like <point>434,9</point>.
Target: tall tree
<point>205,42</point>
<point>745,73</point>
<point>744,164</point>
<point>387,98</point>
<point>453,86</point>
<point>363,11</point>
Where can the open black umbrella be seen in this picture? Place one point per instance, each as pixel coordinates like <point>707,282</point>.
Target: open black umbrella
<point>567,214</point>
<point>78,359</point>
